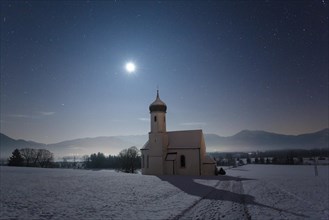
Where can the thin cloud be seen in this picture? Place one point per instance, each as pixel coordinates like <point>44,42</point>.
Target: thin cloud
<point>144,119</point>
<point>22,116</point>
<point>39,115</point>
<point>47,113</point>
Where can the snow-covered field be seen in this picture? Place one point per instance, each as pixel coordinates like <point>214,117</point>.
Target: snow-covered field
<point>247,192</point>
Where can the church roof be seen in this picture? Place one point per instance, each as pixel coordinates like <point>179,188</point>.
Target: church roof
<point>158,105</point>
<point>185,139</point>
<point>146,146</point>
<point>182,140</point>
<point>208,160</point>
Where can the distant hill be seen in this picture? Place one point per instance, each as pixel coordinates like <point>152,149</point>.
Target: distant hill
<point>243,141</point>
<point>7,145</point>
<point>86,146</point>
<point>248,140</point>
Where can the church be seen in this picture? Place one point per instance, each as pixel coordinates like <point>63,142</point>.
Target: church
<point>174,152</point>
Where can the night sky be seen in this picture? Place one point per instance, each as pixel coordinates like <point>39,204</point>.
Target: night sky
<point>222,66</point>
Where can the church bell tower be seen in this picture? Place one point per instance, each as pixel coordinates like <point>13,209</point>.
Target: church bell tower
<point>158,115</point>
<point>155,149</point>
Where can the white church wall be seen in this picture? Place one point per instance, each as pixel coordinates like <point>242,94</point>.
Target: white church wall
<point>156,143</point>
<point>158,122</point>
<point>155,165</point>
<point>208,169</point>
<point>208,166</point>
<point>203,149</point>
<point>192,162</point>
<point>144,158</point>
<point>169,167</point>
<point>152,165</point>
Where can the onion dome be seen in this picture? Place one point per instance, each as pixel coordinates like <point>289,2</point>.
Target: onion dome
<point>158,105</point>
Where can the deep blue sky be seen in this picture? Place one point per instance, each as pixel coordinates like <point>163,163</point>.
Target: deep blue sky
<point>222,66</point>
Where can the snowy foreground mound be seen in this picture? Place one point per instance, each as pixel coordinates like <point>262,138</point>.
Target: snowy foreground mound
<point>252,191</point>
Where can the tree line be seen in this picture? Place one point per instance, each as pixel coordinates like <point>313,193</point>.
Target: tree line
<point>128,160</point>
<point>288,157</point>
<point>30,157</point>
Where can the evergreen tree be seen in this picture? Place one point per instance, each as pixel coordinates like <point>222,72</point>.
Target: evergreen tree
<point>97,161</point>
<point>221,171</point>
<point>16,159</point>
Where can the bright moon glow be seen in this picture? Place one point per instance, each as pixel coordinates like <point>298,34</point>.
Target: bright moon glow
<point>130,67</point>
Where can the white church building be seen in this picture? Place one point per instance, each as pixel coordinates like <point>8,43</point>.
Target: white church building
<point>174,152</point>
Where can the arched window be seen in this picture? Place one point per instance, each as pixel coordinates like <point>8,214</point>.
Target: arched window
<point>182,161</point>
<point>147,161</point>
<point>155,118</point>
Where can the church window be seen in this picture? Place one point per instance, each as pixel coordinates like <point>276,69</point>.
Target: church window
<point>182,161</point>
<point>155,118</point>
<point>147,161</point>
<point>164,118</point>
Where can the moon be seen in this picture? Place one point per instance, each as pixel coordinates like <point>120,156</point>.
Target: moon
<point>130,67</point>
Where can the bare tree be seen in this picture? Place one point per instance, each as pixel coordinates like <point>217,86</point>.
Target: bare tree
<point>36,154</point>
<point>37,157</point>
<point>86,160</point>
<point>45,158</point>
<point>129,159</point>
<point>28,154</point>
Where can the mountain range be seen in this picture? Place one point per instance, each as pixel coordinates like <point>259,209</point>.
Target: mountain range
<point>244,141</point>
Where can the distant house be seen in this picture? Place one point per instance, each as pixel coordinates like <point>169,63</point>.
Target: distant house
<point>319,160</point>
<point>175,152</point>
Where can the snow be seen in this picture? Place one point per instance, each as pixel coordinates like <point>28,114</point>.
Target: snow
<point>256,191</point>
<point>292,192</point>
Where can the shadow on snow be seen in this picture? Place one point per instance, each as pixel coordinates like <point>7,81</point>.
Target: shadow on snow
<point>189,186</point>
